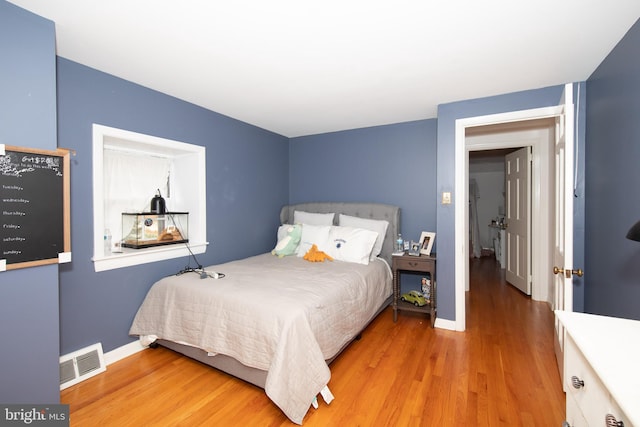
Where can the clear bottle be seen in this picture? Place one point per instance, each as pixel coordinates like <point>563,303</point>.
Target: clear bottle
<point>399,243</point>
<point>107,241</point>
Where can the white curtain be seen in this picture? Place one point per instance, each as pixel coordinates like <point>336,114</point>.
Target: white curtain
<point>474,225</point>
<point>131,189</point>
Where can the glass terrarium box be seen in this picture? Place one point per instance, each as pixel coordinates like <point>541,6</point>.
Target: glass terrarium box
<point>146,229</point>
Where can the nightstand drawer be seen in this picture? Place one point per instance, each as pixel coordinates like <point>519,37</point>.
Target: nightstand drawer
<point>409,263</point>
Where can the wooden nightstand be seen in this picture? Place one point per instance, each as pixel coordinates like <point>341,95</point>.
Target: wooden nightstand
<point>414,264</point>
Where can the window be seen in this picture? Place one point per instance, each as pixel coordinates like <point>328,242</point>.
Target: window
<point>128,169</point>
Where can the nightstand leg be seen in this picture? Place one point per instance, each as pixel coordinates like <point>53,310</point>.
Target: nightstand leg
<point>395,296</point>
<point>432,313</point>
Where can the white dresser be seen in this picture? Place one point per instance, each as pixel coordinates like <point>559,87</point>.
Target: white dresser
<point>601,370</point>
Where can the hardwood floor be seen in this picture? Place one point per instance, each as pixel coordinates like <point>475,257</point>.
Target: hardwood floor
<point>501,371</point>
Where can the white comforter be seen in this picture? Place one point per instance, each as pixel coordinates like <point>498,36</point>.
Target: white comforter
<point>282,315</point>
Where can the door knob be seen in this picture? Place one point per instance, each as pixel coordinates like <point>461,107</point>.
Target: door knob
<point>568,273</point>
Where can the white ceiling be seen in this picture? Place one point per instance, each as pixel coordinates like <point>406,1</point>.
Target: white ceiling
<point>300,67</point>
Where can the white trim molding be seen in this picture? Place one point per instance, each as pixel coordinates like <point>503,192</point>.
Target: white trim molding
<point>188,183</point>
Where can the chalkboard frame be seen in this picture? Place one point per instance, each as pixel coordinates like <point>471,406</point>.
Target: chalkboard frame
<point>65,255</point>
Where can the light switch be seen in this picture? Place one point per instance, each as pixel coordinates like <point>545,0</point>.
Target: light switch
<point>446,198</point>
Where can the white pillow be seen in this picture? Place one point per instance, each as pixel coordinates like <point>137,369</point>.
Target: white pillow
<point>313,235</point>
<point>351,244</point>
<point>379,226</point>
<point>301,217</point>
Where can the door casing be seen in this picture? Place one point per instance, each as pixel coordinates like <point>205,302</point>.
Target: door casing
<point>541,152</point>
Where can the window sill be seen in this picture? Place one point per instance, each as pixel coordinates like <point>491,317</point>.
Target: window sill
<point>131,257</point>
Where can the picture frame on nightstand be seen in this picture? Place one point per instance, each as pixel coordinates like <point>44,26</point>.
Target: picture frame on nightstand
<point>414,250</point>
<point>426,242</point>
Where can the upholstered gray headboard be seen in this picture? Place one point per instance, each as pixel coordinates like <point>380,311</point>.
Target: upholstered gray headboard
<point>362,210</point>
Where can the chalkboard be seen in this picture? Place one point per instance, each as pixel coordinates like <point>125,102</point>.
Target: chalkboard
<point>34,204</point>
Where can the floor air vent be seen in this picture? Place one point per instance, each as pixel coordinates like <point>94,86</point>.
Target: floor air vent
<point>80,365</point>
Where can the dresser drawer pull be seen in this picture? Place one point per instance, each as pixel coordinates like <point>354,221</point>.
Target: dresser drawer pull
<point>577,382</point>
<point>612,422</point>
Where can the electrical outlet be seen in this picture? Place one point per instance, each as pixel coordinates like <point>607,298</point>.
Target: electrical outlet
<point>446,198</point>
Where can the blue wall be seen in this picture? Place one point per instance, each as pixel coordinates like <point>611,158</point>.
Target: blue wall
<point>446,173</point>
<point>29,330</point>
<point>393,164</point>
<point>247,183</point>
<point>613,201</point>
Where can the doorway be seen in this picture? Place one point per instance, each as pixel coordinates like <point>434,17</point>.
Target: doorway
<point>535,129</point>
<point>489,222</point>
<point>487,203</point>
<point>500,140</point>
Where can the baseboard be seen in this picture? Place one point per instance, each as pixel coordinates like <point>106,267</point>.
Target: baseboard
<point>445,324</point>
<point>123,352</point>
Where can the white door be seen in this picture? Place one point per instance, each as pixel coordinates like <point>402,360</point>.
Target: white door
<point>563,251</point>
<point>518,219</point>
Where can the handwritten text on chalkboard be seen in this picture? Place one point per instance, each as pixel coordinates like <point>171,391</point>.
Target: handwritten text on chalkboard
<point>32,206</point>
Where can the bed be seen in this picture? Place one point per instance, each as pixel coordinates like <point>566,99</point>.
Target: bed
<point>277,322</point>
